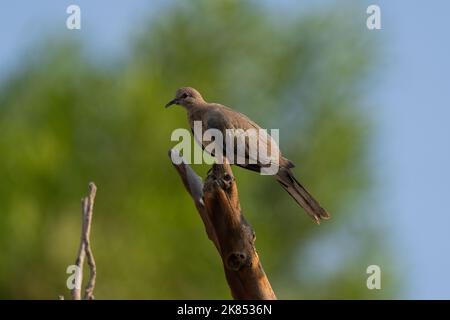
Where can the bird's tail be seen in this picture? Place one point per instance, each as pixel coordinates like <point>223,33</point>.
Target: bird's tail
<point>286,178</point>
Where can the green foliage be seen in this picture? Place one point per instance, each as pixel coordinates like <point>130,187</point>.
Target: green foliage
<point>66,121</point>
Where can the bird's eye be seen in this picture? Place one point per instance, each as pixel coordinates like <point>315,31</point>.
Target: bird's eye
<point>185,95</point>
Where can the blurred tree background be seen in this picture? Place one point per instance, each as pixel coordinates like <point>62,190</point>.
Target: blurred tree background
<point>67,119</point>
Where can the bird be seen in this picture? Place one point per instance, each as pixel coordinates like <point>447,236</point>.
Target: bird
<point>220,117</point>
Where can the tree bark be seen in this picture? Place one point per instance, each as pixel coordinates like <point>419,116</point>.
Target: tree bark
<point>218,204</point>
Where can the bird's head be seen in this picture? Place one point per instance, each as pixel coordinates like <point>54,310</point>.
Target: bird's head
<point>186,97</point>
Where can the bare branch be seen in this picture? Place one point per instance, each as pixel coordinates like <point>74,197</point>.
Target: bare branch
<point>87,206</point>
<point>89,291</point>
<point>217,202</point>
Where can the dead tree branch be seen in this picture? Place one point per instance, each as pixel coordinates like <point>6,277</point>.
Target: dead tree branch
<point>218,204</point>
<point>87,206</point>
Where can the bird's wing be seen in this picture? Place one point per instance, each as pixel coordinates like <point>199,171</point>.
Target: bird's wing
<point>268,151</point>
<point>214,119</point>
<point>263,152</point>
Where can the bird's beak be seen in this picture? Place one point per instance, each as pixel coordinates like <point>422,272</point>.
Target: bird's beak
<point>171,102</point>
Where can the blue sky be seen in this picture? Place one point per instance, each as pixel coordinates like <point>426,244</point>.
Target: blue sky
<point>414,140</point>
<point>411,102</point>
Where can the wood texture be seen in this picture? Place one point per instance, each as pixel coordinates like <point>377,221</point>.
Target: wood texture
<point>217,202</point>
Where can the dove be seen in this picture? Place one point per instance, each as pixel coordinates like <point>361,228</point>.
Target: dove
<point>222,118</point>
